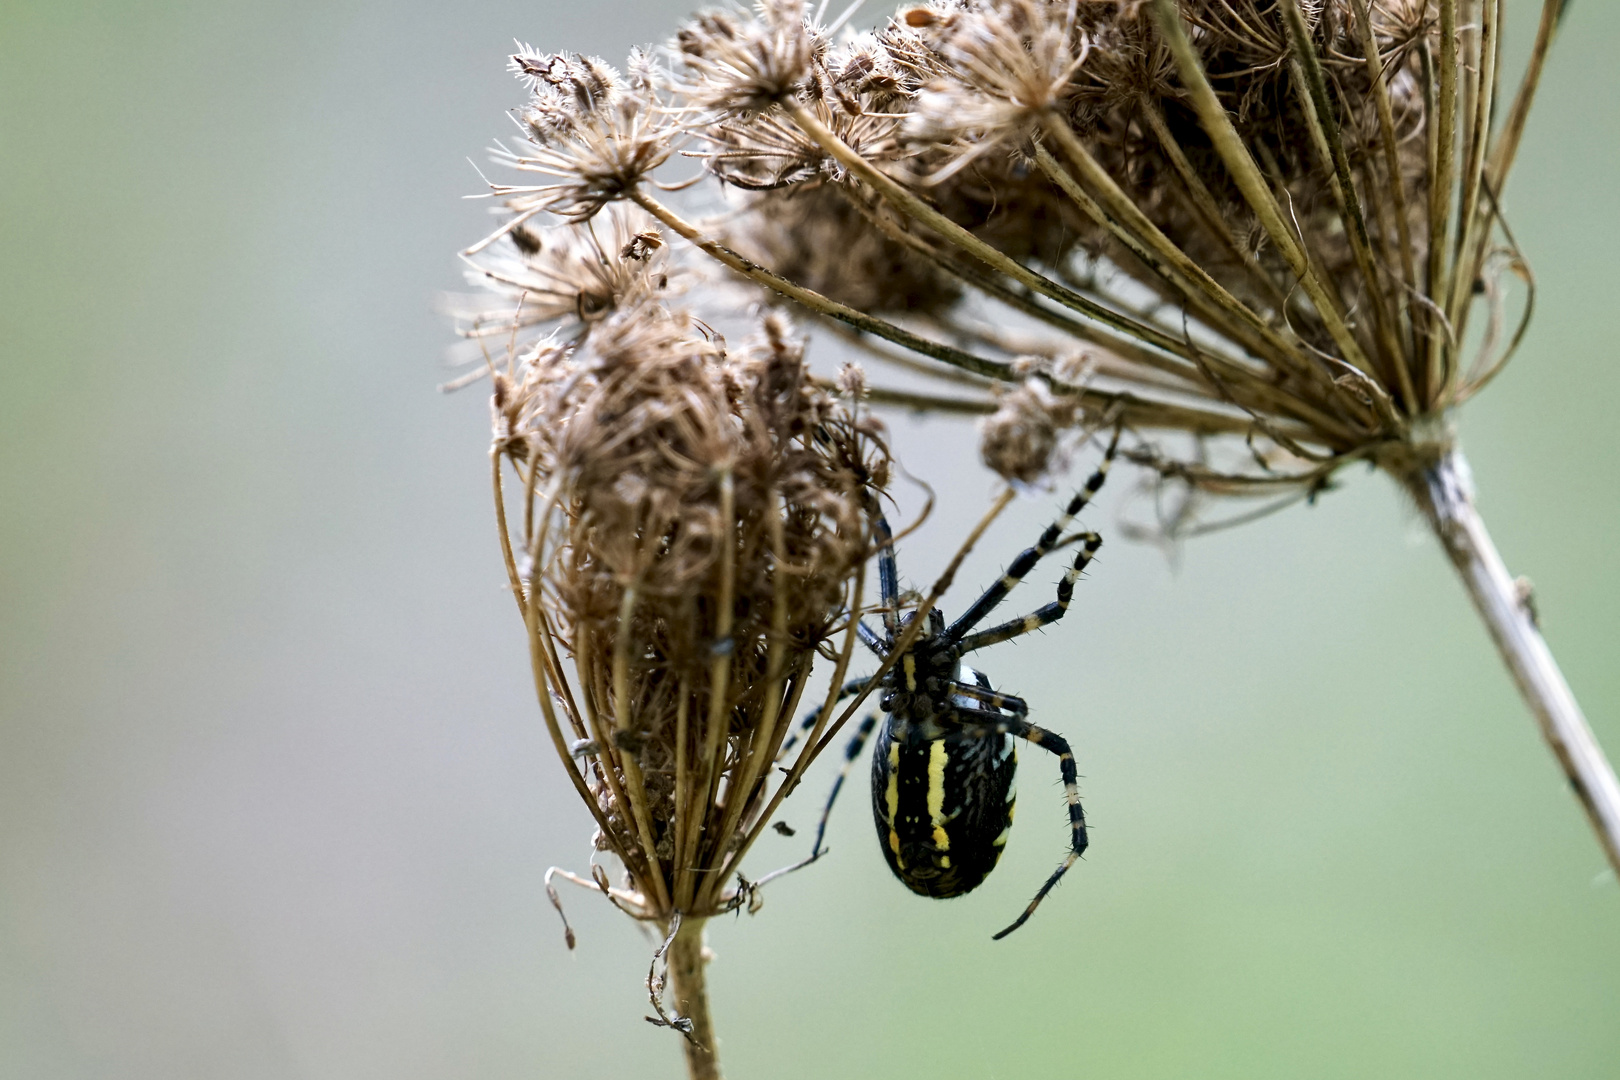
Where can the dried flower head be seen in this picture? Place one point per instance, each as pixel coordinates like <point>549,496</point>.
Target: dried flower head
<point>692,520</point>
<point>1004,65</point>
<point>1269,218</point>
<point>596,133</point>
<point>852,380</point>
<point>743,63</point>
<point>572,274</point>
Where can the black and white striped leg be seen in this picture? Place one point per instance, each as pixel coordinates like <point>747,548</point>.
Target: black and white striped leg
<point>1090,542</point>
<point>1027,559</point>
<point>888,578</point>
<point>1071,792</point>
<point>849,689</point>
<point>990,699</point>
<point>852,751</point>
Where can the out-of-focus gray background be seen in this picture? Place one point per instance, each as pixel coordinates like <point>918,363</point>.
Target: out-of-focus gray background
<point>274,797</point>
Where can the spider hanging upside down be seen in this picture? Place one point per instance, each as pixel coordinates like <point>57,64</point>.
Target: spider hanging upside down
<point>942,770</point>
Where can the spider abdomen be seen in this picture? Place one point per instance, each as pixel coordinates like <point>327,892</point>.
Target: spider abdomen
<point>943,803</point>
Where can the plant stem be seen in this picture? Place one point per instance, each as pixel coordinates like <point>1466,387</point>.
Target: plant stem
<point>1445,493</point>
<point>692,999</point>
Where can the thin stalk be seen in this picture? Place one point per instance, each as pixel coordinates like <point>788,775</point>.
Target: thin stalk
<point>1233,375</point>
<point>607,761</point>
<point>541,691</point>
<point>1183,379</point>
<point>1507,144</point>
<point>1443,167</point>
<point>559,680</point>
<point>1347,219</point>
<point>537,546</point>
<point>537,624</point>
<point>683,812</point>
<point>1246,174</point>
<point>719,675</point>
<point>1138,411</point>
<point>815,301</point>
<point>1397,188</point>
<point>1145,240</point>
<point>1319,115</point>
<point>1473,223</point>
<point>1467,93</point>
<point>1445,496</point>
<point>1121,345</point>
<point>907,362</point>
<point>908,203</point>
<point>740,790</point>
<point>1204,202</point>
<point>691,988</point>
<point>840,673</point>
<point>1387,135</point>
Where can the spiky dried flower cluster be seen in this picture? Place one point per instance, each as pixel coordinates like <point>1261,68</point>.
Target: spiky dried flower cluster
<point>560,276</point>
<point>1277,219</point>
<point>745,65</point>
<point>595,132</point>
<point>686,524</point>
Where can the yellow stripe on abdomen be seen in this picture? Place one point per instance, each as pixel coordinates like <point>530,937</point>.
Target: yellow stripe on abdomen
<point>936,793</point>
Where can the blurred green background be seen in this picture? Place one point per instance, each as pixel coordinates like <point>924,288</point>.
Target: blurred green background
<point>274,797</point>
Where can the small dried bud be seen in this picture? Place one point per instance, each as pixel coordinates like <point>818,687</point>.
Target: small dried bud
<point>1074,366</point>
<point>852,380</point>
<point>1025,366</point>
<point>1017,440</point>
<point>864,66</point>
<point>587,80</point>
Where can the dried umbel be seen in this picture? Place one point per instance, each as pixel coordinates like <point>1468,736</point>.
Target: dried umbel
<point>1281,219</point>
<point>594,132</point>
<point>685,525</point>
<point>562,276</point>
<point>688,527</point>
<point>745,65</point>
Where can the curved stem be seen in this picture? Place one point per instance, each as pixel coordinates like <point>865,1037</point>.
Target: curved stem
<point>1445,494</point>
<point>691,988</point>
